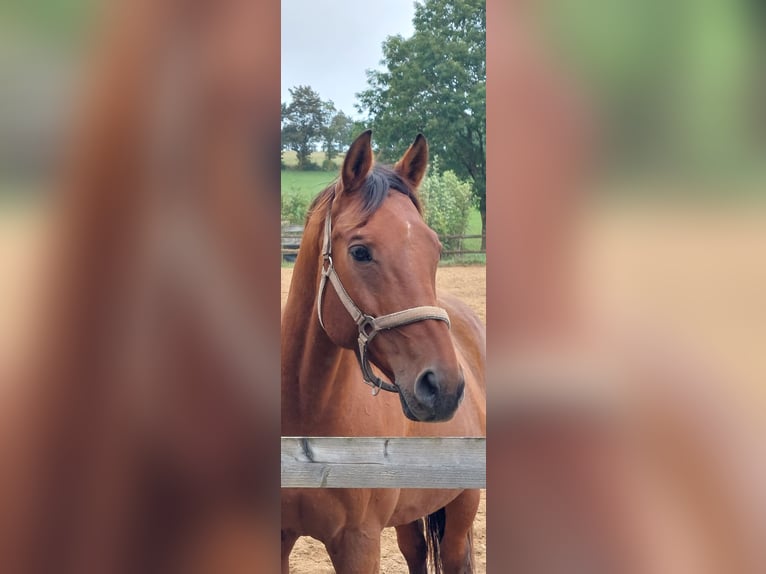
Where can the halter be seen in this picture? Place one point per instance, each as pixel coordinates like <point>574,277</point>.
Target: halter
<point>368,325</point>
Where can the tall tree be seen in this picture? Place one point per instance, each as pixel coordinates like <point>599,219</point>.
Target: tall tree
<point>338,135</point>
<point>435,82</point>
<point>303,122</point>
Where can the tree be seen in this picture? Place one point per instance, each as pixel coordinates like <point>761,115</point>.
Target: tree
<point>358,127</point>
<point>338,135</point>
<point>303,122</point>
<point>435,82</point>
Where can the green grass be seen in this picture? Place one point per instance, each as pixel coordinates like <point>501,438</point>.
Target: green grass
<point>474,228</point>
<point>464,260</point>
<point>306,183</point>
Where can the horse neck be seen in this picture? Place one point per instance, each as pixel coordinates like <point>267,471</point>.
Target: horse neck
<point>310,360</point>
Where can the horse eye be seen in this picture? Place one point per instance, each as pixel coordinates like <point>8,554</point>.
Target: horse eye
<point>360,253</point>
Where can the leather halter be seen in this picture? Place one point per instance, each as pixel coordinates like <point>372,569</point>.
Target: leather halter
<point>368,325</point>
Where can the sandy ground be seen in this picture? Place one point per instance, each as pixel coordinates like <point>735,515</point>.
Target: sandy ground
<point>310,557</point>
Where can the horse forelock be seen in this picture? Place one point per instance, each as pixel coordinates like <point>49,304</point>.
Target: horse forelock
<point>376,188</point>
<point>380,181</point>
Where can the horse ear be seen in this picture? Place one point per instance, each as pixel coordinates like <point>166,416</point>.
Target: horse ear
<point>358,161</point>
<point>414,162</point>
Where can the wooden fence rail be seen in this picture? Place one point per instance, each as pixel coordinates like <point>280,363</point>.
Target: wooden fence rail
<point>379,462</point>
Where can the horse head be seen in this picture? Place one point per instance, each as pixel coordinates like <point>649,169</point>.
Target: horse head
<point>380,259</point>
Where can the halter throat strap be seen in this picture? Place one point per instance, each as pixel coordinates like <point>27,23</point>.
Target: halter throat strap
<point>367,325</point>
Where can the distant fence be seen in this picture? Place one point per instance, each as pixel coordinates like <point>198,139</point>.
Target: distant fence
<point>379,462</point>
<point>292,234</point>
<point>291,241</point>
<point>461,251</point>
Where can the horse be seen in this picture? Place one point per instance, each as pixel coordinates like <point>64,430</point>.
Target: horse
<point>363,293</point>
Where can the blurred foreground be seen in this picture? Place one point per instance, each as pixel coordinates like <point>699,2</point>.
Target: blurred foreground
<point>140,335</point>
<point>138,310</point>
<point>626,404</point>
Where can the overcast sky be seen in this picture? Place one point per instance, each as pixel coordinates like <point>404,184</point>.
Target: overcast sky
<point>328,44</point>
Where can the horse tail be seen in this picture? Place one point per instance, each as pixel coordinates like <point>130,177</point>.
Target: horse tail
<point>470,550</point>
<point>434,526</point>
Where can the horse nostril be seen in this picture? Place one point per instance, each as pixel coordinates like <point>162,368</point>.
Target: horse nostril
<point>427,388</point>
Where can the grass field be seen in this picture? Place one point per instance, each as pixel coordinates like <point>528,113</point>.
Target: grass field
<point>305,183</point>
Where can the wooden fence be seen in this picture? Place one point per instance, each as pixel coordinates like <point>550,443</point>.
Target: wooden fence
<point>291,240</point>
<point>375,462</point>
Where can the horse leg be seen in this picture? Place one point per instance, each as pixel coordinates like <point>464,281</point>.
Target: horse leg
<point>288,541</point>
<point>457,545</point>
<point>355,551</point>
<point>412,544</point>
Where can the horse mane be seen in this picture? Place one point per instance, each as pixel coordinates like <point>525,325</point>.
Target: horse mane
<point>373,191</point>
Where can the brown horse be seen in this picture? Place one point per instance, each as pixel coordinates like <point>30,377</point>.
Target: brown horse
<point>363,290</point>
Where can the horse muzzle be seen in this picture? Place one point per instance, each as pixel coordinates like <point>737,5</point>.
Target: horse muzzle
<point>433,397</point>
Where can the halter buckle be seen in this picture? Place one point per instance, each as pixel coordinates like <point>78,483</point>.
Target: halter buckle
<point>367,328</point>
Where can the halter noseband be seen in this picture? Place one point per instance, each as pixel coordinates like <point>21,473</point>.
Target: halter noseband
<point>368,325</point>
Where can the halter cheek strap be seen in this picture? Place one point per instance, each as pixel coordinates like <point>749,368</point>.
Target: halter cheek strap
<point>367,325</point>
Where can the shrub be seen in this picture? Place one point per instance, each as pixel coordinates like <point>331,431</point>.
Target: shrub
<point>331,164</point>
<point>294,207</point>
<point>447,203</point>
<point>311,166</point>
